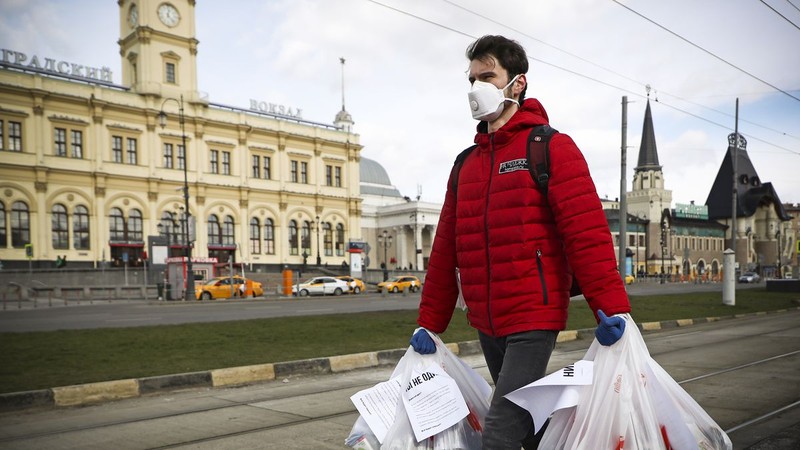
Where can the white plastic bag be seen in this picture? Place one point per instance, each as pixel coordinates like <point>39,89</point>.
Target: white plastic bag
<point>632,404</point>
<point>466,433</point>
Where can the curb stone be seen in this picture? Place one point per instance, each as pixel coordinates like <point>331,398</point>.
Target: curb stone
<point>100,392</point>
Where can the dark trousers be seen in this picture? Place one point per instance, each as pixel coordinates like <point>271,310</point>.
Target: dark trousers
<point>514,361</point>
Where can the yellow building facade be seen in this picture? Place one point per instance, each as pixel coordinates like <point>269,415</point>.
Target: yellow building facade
<point>87,172</point>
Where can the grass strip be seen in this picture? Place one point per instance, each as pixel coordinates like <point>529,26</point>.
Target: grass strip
<point>38,360</point>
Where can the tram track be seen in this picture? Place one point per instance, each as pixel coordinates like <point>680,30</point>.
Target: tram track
<point>654,339</point>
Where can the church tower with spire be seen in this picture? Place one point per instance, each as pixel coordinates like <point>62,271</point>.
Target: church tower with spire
<point>649,198</point>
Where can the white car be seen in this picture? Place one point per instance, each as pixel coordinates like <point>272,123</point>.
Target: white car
<point>321,286</point>
<point>749,277</point>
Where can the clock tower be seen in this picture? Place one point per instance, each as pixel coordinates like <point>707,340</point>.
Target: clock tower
<point>158,47</point>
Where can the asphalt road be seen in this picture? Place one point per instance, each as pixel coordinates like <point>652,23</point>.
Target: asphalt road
<point>743,372</point>
<point>55,314</point>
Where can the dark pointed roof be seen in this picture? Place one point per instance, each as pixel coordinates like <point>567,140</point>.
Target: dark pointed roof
<point>751,192</point>
<point>648,154</point>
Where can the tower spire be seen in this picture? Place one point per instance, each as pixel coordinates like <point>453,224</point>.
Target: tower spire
<point>343,120</point>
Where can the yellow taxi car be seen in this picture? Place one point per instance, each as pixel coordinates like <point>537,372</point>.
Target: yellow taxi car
<point>629,279</point>
<point>220,287</point>
<point>400,283</point>
<point>356,286</point>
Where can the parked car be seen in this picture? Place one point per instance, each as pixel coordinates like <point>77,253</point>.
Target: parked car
<point>321,286</point>
<point>356,285</point>
<point>400,283</point>
<point>220,287</point>
<point>749,277</point>
<point>629,279</point>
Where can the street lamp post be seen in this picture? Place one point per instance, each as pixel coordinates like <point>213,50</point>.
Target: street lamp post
<point>162,118</point>
<point>319,257</point>
<point>663,248</point>
<point>385,240</point>
<point>778,243</point>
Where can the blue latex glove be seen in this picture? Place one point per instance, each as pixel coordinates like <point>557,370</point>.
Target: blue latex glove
<point>422,342</point>
<point>610,329</point>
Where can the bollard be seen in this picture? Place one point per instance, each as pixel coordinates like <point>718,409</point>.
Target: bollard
<point>50,299</point>
<point>4,301</point>
<point>405,292</point>
<point>79,297</point>
<point>35,303</point>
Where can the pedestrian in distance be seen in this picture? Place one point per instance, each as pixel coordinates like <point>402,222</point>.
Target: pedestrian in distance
<point>517,247</point>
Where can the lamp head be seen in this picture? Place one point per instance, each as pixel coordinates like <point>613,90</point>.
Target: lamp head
<point>162,119</point>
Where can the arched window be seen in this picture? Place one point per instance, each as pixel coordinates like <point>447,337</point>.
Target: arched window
<point>269,237</point>
<point>80,228</point>
<point>327,232</point>
<point>214,231</point>
<point>60,226</point>
<point>116,224</point>
<point>135,226</point>
<point>228,233</point>
<point>3,235</point>
<point>293,237</point>
<point>20,225</point>
<point>255,236</point>
<point>339,240</point>
<point>305,237</point>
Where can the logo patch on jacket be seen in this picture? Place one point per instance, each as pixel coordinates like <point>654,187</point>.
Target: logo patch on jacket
<point>513,165</point>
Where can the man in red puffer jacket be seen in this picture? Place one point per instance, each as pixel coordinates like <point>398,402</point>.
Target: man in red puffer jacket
<point>516,249</point>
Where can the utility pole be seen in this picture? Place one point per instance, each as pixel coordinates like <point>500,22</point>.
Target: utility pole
<point>623,185</point>
<point>729,258</point>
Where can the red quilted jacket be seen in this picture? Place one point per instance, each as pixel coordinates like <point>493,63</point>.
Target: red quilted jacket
<point>513,247</point>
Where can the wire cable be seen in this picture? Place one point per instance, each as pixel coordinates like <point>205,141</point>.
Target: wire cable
<point>782,16</point>
<point>703,49</point>
<point>462,33</point>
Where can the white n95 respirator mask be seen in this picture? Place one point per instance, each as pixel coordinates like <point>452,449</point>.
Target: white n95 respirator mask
<point>486,101</point>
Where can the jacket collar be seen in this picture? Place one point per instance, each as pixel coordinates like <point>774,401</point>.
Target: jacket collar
<point>529,115</point>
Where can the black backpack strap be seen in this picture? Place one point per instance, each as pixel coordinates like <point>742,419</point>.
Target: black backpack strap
<point>457,168</point>
<point>539,155</point>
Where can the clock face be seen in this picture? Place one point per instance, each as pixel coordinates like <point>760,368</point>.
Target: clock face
<point>168,15</point>
<point>133,15</point>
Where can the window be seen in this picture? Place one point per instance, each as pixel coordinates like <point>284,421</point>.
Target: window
<point>135,226</point>
<point>116,149</point>
<point>228,237</point>
<point>305,237</point>
<point>304,172</point>
<point>60,143</point>
<point>170,72</point>
<point>293,237</point>
<point>337,176</point>
<point>328,175</point>
<point>255,236</point>
<point>226,163</point>
<point>14,136</point>
<point>256,166</point>
<point>214,161</point>
<point>60,227</point>
<point>116,224</point>
<point>20,225</point>
<point>168,156</point>
<point>80,228</point>
<point>339,240</point>
<point>294,171</point>
<point>327,233</point>
<point>132,151</point>
<point>267,165</point>
<point>3,236</point>
<point>269,237</point>
<point>214,231</point>
<point>76,137</point>
<point>181,157</point>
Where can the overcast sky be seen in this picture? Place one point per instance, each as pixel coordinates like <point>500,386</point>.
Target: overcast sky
<point>406,84</point>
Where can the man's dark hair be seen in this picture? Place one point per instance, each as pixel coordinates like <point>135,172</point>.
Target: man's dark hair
<point>509,54</point>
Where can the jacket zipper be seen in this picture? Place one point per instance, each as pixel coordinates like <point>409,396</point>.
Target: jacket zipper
<point>541,273</point>
<point>486,227</point>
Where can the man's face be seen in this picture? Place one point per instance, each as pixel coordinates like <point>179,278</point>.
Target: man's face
<point>488,70</point>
